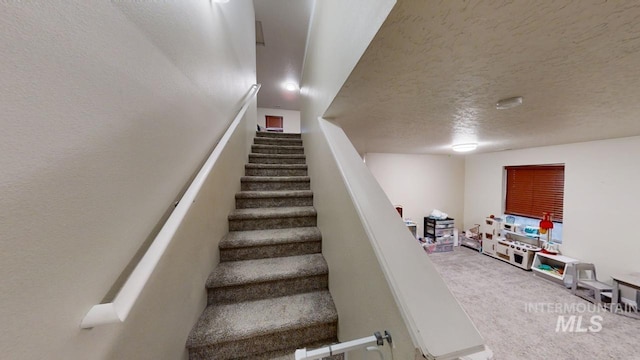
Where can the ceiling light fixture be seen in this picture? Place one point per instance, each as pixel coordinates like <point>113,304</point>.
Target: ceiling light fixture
<point>509,103</point>
<point>221,1</point>
<point>465,147</point>
<point>290,86</point>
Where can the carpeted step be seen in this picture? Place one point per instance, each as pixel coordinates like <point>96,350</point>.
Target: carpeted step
<point>272,218</point>
<point>278,135</point>
<point>274,183</point>
<point>277,159</point>
<point>275,149</point>
<point>247,329</point>
<point>275,170</point>
<point>277,141</point>
<point>259,244</point>
<point>237,281</point>
<point>263,199</point>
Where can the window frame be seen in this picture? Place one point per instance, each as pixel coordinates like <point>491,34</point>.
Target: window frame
<point>525,205</point>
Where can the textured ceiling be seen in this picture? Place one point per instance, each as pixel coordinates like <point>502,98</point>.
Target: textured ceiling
<point>433,73</point>
<point>285,24</point>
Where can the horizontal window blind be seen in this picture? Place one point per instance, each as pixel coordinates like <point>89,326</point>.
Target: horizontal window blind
<point>534,189</point>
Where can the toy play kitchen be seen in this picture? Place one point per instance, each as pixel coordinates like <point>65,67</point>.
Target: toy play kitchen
<point>524,247</point>
<point>508,242</point>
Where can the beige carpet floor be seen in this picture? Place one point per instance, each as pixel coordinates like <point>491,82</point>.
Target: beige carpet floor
<point>497,295</point>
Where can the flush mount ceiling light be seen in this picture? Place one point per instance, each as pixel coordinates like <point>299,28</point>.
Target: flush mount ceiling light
<point>509,103</point>
<point>290,86</point>
<point>221,1</point>
<point>465,147</point>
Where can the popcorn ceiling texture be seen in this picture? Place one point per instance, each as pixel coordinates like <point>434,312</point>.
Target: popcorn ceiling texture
<point>434,71</point>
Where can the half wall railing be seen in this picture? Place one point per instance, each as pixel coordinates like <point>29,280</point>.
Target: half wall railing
<point>438,325</point>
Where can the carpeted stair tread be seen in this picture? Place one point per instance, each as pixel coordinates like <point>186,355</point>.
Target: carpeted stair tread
<point>267,146</point>
<point>274,178</point>
<point>275,183</point>
<point>278,135</point>
<point>258,169</point>
<point>277,141</point>
<point>267,196</point>
<point>276,156</point>
<point>245,320</point>
<point>272,194</point>
<point>271,213</point>
<point>261,169</point>
<point>237,239</point>
<point>236,247</point>
<point>275,166</point>
<point>264,270</point>
<point>273,198</point>
<point>276,149</point>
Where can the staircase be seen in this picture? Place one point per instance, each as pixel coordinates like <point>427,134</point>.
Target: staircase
<point>268,296</point>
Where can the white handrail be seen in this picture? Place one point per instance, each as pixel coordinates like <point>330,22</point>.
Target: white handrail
<point>376,340</point>
<point>118,310</point>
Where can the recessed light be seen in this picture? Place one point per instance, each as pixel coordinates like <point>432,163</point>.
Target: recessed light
<point>290,86</point>
<point>509,103</point>
<point>464,147</point>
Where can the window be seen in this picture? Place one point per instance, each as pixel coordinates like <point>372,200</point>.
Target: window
<point>534,189</point>
<point>273,123</point>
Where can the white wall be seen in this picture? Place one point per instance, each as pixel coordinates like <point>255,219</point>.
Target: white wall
<point>600,204</point>
<point>421,183</point>
<point>176,291</point>
<point>108,109</point>
<point>290,121</point>
<point>340,32</point>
